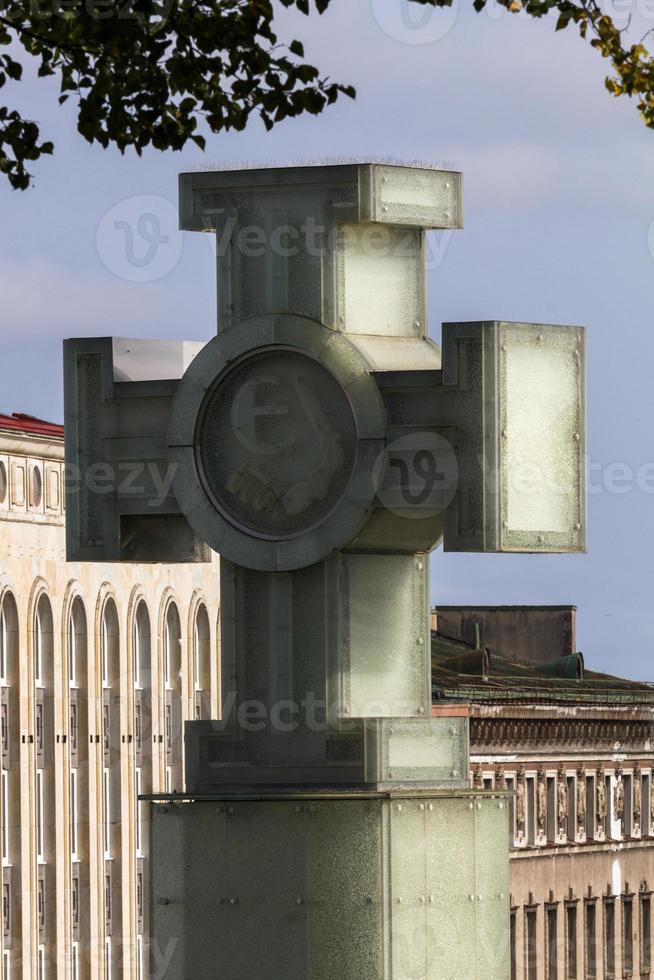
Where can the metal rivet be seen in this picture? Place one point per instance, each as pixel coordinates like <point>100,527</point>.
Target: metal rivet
<point>420,641</point>
<point>471,897</point>
<point>420,566</point>
<point>417,323</point>
<point>540,338</point>
<point>431,806</point>
<point>577,526</point>
<point>422,806</point>
<point>232,901</point>
<point>370,900</point>
<point>447,214</point>
<point>421,710</point>
<point>398,901</point>
<point>399,807</point>
<point>299,901</point>
<point>479,806</point>
<point>384,209</point>
<point>501,805</point>
<point>231,810</point>
<point>431,899</point>
<point>577,437</point>
<point>422,899</point>
<point>298,809</point>
<point>454,772</point>
<point>447,186</point>
<point>479,898</point>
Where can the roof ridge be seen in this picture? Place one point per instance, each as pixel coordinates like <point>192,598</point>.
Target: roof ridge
<point>30,425</point>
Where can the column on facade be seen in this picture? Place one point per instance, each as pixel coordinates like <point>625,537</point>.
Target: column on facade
<point>145,734</point>
<point>45,795</point>
<point>112,810</point>
<point>76,774</point>
<point>10,787</point>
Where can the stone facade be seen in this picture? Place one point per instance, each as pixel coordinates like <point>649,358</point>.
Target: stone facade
<point>582,838</point>
<point>100,665</point>
<point>577,752</point>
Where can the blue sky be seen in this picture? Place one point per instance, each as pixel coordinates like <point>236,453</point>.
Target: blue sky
<point>559,205</point>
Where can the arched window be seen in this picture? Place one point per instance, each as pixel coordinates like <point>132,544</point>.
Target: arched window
<point>10,781</point>
<point>45,790</point>
<point>173,704</point>
<point>202,664</point>
<point>78,749</point>
<point>111,785</point>
<point>142,728</point>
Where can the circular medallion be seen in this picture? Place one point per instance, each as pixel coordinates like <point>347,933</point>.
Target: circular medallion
<point>275,435</point>
<point>276,443</point>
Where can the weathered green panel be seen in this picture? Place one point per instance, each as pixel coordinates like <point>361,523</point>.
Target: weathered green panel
<point>433,751</point>
<point>408,889</point>
<point>351,888</point>
<point>450,888</point>
<point>266,905</point>
<point>384,649</point>
<point>189,850</point>
<point>381,280</point>
<point>492,888</point>
<point>521,411</point>
<point>344,890</point>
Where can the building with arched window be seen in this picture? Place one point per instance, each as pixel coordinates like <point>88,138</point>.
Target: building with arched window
<point>100,666</point>
<point>576,750</point>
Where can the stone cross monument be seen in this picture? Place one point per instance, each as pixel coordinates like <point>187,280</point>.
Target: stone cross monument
<point>321,445</point>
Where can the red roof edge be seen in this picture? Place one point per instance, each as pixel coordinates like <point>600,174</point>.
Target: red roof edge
<point>30,425</point>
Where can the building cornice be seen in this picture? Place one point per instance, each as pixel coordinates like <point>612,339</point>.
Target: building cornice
<point>21,444</point>
<point>613,729</point>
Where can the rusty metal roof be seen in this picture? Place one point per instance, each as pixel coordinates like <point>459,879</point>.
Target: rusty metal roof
<point>462,672</point>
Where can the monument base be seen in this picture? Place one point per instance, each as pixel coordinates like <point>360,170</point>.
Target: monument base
<point>331,884</point>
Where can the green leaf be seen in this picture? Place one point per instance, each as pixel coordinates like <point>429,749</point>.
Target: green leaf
<point>148,72</point>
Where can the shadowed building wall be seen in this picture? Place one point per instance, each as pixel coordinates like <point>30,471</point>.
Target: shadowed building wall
<point>99,667</point>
